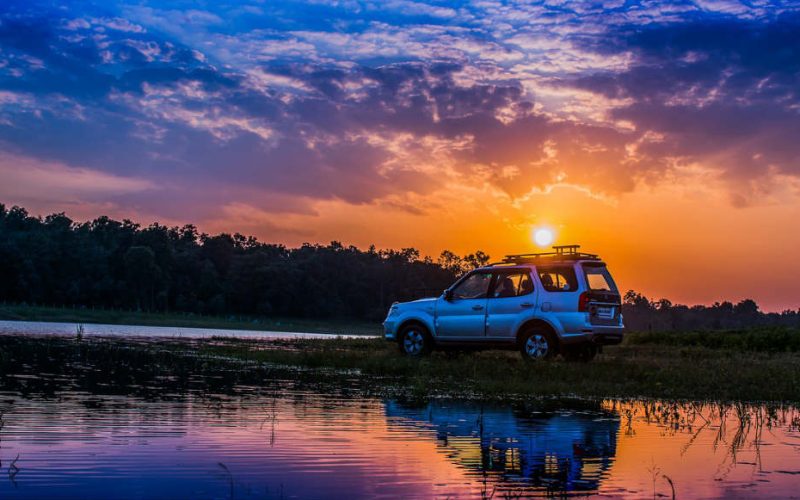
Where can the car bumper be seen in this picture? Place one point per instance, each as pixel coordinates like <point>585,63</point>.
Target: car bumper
<point>390,330</point>
<point>600,335</point>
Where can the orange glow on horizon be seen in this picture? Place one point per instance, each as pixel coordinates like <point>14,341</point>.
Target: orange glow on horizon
<point>678,242</point>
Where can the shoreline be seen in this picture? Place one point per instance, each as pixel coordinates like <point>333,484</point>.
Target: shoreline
<point>155,333</point>
<point>43,314</point>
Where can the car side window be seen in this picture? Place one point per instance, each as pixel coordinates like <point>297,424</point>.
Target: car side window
<point>558,279</point>
<point>512,285</point>
<point>474,286</point>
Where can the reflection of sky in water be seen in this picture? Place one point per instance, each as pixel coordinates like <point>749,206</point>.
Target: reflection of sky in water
<point>309,445</point>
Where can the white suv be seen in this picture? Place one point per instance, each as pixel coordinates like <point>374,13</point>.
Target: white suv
<point>562,302</point>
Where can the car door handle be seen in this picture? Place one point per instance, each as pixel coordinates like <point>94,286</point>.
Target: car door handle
<point>526,304</point>
<point>477,308</point>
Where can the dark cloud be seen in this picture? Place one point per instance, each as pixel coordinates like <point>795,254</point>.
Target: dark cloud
<point>724,91</point>
<point>426,100</point>
<point>106,134</point>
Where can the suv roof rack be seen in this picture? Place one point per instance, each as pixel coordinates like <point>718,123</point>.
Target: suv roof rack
<point>561,252</point>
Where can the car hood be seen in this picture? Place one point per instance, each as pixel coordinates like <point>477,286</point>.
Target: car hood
<point>418,302</point>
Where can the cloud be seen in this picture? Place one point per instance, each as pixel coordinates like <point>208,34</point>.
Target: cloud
<point>252,219</point>
<point>27,179</point>
<point>722,92</point>
<point>401,100</point>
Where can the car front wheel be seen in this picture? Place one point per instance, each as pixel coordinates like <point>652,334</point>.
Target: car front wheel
<point>538,345</point>
<point>415,341</point>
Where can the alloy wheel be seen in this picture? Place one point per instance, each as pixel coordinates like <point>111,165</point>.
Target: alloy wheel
<point>537,347</point>
<point>413,342</point>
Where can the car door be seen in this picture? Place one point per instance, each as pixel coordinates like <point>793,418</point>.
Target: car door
<point>512,295</point>
<point>461,313</point>
<point>559,296</point>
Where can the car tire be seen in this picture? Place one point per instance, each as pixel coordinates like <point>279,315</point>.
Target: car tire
<point>538,344</point>
<point>415,341</point>
<point>581,353</point>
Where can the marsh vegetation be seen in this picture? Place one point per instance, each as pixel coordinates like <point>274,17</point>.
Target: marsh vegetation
<point>750,365</point>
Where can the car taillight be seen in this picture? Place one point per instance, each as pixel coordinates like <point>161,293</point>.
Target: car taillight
<point>583,302</point>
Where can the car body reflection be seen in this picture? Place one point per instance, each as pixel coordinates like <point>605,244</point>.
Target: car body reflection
<point>520,446</point>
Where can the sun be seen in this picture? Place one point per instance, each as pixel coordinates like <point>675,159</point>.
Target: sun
<point>543,236</point>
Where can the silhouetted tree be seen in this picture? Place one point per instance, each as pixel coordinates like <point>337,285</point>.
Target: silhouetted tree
<point>108,263</point>
<point>662,315</point>
<point>143,275</point>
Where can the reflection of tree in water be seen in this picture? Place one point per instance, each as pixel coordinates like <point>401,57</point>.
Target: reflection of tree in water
<point>546,448</point>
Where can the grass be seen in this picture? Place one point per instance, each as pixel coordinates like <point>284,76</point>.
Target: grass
<point>657,367</point>
<point>15,312</point>
<point>763,339</point>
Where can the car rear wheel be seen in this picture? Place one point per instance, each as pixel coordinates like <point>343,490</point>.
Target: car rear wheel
<point>415,341</point>
<point>538,345</point>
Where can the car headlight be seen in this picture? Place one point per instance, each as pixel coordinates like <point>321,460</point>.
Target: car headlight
<point>393,310</point>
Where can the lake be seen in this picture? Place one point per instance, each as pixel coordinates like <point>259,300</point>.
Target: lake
<point>117,425</point>
<point>157,332</point>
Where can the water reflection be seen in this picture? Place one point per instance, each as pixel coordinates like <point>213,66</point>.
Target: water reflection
<point>107,420</point>
<point>300,443</point>
<point>740,448</point>
<point>547,447</point>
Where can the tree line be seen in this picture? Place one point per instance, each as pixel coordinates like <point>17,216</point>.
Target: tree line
<point>643,314</point>
<point>106,263</point>
<point>119,264</point>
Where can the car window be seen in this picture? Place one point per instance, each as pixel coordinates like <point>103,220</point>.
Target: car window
<point>512,285</point>
<point>558,279</point>
<point>599,279</point>
<point>474,286</point>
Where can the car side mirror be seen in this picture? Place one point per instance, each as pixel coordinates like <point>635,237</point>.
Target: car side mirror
<point>448,295</point>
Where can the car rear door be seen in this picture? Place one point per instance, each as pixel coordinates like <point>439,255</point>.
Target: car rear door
<point>559,295</point>
<point>463,315</point>
<point>512,295</point>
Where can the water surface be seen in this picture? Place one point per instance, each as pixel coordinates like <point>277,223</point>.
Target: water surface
<point>308,445</point>
<point>156,332</point>
<point>116,423</point>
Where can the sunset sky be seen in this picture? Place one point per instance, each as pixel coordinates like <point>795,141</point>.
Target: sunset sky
<point>664,136</point>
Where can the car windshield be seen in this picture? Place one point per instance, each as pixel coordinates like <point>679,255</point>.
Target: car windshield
<point>599,279</point>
